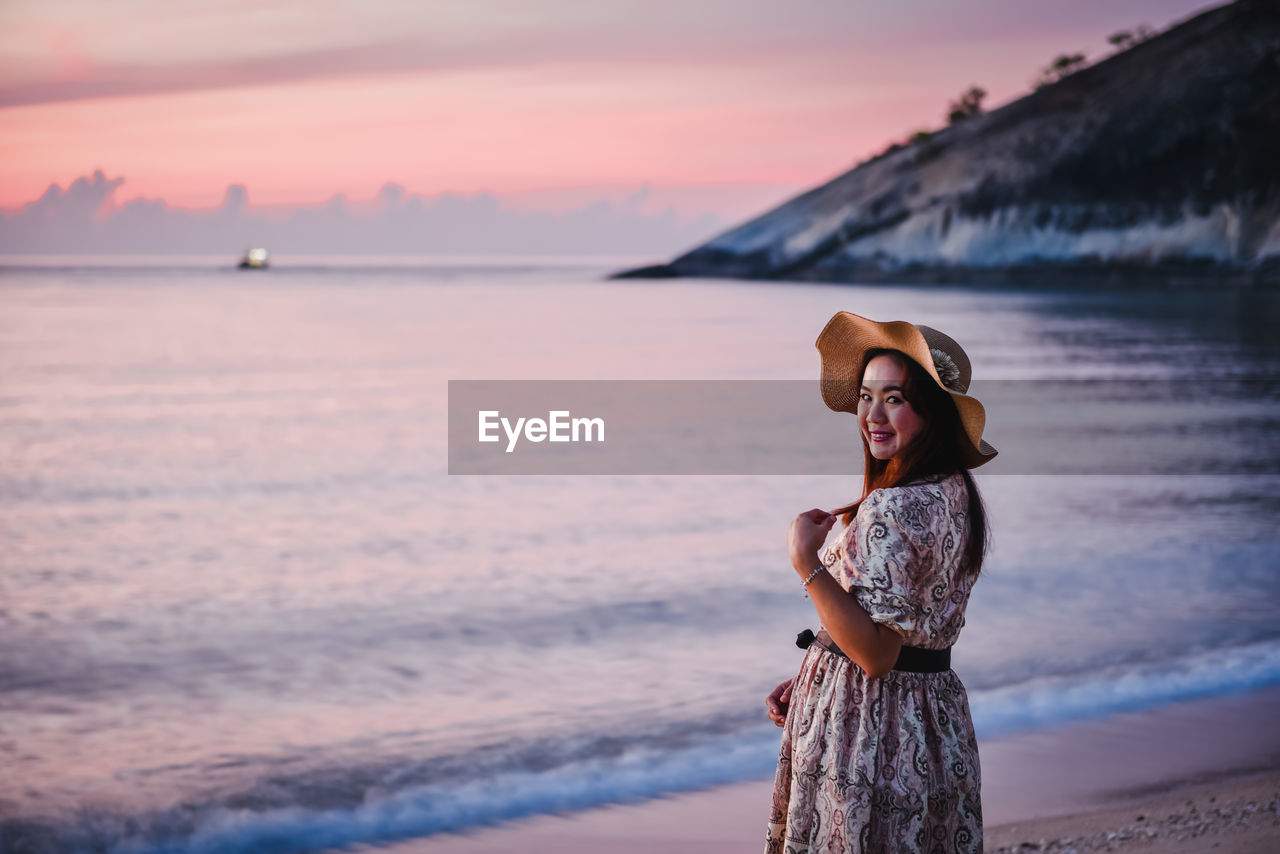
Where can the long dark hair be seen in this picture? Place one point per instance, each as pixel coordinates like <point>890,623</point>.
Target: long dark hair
<point>936,450</point>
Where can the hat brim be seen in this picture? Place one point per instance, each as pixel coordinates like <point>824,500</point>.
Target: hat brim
<point>847,337</point>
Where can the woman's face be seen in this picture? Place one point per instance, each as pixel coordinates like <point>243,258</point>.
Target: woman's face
<point>888,423</point>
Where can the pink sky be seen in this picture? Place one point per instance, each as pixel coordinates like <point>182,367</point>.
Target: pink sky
<point>718,105</point>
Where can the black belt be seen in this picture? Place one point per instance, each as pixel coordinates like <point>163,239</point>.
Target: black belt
<point>912,659</point>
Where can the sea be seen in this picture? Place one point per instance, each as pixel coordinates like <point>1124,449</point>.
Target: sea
<point>245,607</point>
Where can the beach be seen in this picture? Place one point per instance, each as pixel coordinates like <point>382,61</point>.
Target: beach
<point>1202,775</point>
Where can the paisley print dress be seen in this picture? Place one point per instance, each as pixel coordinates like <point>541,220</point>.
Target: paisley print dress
<point>891,764</point>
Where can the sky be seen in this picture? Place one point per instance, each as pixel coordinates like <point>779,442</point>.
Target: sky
<point>709,107</point>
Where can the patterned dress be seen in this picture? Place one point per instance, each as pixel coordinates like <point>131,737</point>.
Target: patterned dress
<point>891,764</point>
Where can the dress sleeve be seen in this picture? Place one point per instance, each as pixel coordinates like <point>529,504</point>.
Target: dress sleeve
<point>891,564</point>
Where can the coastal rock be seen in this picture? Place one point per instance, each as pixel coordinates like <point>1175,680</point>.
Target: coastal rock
<point>1160,163</point>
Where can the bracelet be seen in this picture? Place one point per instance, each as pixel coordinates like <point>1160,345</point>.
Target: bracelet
<point>814,575</point>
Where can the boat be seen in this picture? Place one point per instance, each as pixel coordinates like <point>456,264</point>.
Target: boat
<point>254,259</point>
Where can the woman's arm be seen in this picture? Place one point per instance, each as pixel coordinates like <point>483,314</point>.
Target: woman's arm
<point>873,646</point>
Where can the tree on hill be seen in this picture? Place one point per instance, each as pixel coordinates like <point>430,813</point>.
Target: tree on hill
<point>968,105</point>
<point>1125,39</point>
<point>1063,65</point>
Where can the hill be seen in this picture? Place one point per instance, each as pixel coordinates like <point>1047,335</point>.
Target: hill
<point>1160,163</point>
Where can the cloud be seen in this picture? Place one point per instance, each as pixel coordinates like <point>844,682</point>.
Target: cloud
<point>78,203</point>
<point>78,53</point>
<point>74,214</point>
<point>86,218</point>
<point>104,80</point>
<point>60,50</point>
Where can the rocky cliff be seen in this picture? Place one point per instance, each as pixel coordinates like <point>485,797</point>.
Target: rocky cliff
<point>1159,163</point>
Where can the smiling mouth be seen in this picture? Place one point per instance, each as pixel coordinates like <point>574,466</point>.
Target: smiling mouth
<point>881,437</point>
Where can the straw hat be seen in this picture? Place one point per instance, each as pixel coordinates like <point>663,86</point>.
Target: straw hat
<point>848,336</point>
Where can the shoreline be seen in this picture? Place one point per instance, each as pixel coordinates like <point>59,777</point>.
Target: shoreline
<point>1180,779</point>
<point>1173,275</point>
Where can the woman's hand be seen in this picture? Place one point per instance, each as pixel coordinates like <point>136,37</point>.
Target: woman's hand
<point>808,533</point>
<point>777,702</point>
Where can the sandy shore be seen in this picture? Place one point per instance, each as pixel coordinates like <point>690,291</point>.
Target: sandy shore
<point>1199,776</point>
<point>1236,815</point>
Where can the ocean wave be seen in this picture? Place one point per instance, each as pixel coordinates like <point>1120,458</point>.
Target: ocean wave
<point>387,813</point>
<point>339,806</point>
<point>1053,700</point>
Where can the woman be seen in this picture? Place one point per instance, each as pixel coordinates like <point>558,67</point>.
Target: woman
<point>878,751</point>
